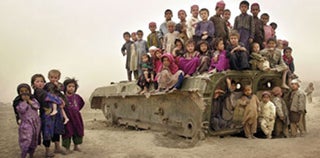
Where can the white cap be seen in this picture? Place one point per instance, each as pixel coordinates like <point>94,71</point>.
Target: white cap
<point>153,48</point>
<point>297,81</point>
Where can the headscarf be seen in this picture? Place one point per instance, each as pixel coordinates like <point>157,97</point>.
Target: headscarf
<point>18,99</point>
<point>173,67</point>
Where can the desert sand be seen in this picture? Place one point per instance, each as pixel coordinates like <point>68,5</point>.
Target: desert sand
<point>103,140</point>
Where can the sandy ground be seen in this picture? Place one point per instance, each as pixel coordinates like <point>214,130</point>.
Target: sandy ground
<point>105,141</point>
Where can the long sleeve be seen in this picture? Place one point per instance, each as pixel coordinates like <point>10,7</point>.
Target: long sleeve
<point>198,29</point>
<point>252,27</point>
<point>123,49</point>
<point>22,107</point>
<point>211,29</point>
<point>235,26</point>
<point>277,102</point>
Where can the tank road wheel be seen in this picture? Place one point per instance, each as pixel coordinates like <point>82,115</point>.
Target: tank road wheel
<point>191,128</point>
<point>107,113</point>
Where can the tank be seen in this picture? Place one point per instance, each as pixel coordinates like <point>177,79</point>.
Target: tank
<point>185,112</point>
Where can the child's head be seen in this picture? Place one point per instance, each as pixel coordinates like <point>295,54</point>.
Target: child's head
<point>226,14</point>
<point>255,47</point>
<point>234,38</point>
<point>255,9</point>
<point>279,44</point>
<point>24,91</point>
<point>271,43</point>
<point>247,90</point>
<point>171,26</point>
<point>218,44</point>
<point>265,18</point>
<point>203,46</point>
<point>152,26</point>
<point>274,25</point>
<point>54,75</point>
<point>158,53</point>
<point>220,7</point>
<point>165,61</point>
<point>277,91</point>
<point>266,97</point>
<point>140,34</point>
<point>38,81</point>
<point>244,6</point>
<point>71,86</point>
<point>145,58</point>
<point>190,46</point>
<point>134,36</point>
<point>287,52</point>
<point>178,43</point>
<point>50,87</point>
<point>285,43</point>
<point>204,14</point>
<point>126,36</point>
<point>152,50</point>
<point>182,15</point>
<point>168,14</point>
<point>295,84</point>
<point>194,11</point>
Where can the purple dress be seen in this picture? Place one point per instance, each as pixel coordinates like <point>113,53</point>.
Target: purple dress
<point>189,64</point>
<point>222,64</point>
<point>29,128</point>
<point>75,125</point>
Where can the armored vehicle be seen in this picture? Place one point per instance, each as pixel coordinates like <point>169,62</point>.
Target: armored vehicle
<point>185,112</point>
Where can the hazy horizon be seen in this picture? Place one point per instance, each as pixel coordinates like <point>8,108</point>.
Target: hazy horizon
<point>83,38</point>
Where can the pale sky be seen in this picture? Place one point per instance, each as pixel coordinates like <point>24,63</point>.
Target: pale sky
<point>82,38</point>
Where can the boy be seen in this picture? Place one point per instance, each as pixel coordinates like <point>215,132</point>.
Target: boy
<point>237,53</point>
<point>267,114</point>
<point>273,55</point>
<point>205,28</point>
<point>220,27</point>
<point>182,26</point>
<point>192,23</point>
<point>297,109</point>
<point>259,31</point>
<point>250,103</point>
<point>153,38</point>
<point>226,16</point>
<point>126,50</point>
<point>142,48</point>
<point>268,31</point>
<point>170,37</point>
<point>244,24</point>
<point>257,60</point>
<point>282,118</point>
<point>163,26</point>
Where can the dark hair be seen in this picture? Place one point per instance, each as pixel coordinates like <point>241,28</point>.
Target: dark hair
<point>271,39</point>
<point>168,10</point>
<point>23,85</point>
<point>244,3</point>
<point>216,42</point>
<point>274,24</point>
<point>126,33</point>
<point>140,31</point>
<point>204,9</point>
<point>226,10</point>
<point>33,78</point>
<point>68,81</point>
<point>287,48</point>
<point>265,14</point>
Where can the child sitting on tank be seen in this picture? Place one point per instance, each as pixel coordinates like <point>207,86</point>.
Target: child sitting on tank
<point>258,62</point>
<point>147,75</point>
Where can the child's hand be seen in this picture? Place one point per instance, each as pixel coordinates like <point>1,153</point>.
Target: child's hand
<point>148,79</point>
<point>204,37</point>
<point>63,104</point>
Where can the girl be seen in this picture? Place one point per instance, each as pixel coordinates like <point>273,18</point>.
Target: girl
<point>219,61</point>
<point>178,51</point>
<point>169,76</point>
<point>29,127</point>
<point>51,126</point>
<point>190,62</point>
<point>205,56</point>
<point>156,66</point>
<point>74,128</point>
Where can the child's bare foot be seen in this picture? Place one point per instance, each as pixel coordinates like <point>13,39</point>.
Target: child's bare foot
<point>76,148</point>
<point>66,120</point>
<point>53,112</point>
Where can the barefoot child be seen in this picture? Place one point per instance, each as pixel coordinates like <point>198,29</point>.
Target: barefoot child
<point>29,127</point>
<point>267,114</point>
<point>147,75</point>
<point>74,128</point>
<point>55,88</point>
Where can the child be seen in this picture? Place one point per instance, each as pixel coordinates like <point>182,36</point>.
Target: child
<point>178,50</point>
<point>163,27</point>
<point>29,127</point>
<point>267,114</point>
<point>273,55</point>
<point>220,27</point>
<point>226,16</point>
<point>74,128</point>
<point>170,37</point>
<point>131,64</point>
<point>182,26</point>
<point>244,24</point>
<point>142,48</point>
<point>169,77</point>
<point>297,109</point>
<point>288,58</point>
<point>51,126</point>
<point>282,118</point>
<point>219,61</point>
<point>309,90</point>
<point>268,31</point>
<point>147,75</point>
<point>190,62</point>
<point>55,88</point>
<point>274,27</point>
<point>153,38</point>
<point>205,28</point>
<point>259,31</point>
<point>250,103</point>
<point>192,23</point>
<point>257,60</point>
<point>237,53</point>
<point>205,56</point>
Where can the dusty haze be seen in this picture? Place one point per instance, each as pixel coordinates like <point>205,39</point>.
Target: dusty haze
<point>82,38</point>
